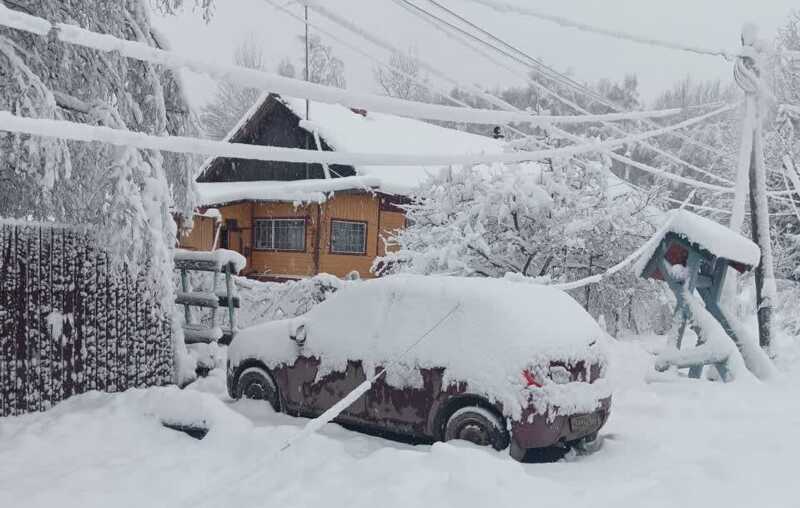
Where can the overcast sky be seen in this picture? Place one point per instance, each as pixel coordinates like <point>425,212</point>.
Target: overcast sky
<point>588,57</point>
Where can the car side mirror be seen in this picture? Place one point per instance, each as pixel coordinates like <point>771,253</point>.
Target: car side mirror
<point>299,335</point>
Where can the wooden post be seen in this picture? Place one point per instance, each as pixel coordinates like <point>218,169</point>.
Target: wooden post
<point>760,224</point>
<point>229,290</point>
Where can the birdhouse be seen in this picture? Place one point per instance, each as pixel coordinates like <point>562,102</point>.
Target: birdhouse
<point>693,255</point>
<point>699,251</point>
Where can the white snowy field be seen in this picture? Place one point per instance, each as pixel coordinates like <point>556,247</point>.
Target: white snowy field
<point>670,442</point>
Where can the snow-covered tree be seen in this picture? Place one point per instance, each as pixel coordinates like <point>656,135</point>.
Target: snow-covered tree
<point>125,196</point>
<point>405,78</point>
<point>286,68</point>
<point>325,68</point>
<point>232,100</point>
<point>559,225</point>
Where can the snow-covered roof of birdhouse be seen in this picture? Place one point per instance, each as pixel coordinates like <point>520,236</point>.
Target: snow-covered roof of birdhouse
<point>711,236</point>
<point>359,131</point>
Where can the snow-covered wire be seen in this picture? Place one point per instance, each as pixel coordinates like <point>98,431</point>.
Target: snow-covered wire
<point>87,133</point>
<point>507,7</point>
<point>297,88</point>
<point>360,51</point>
<point>648,169</point>
<point>436,20</point>
<point>385,45</point>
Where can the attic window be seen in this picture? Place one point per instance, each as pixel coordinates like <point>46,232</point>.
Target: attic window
<point>359,111</point>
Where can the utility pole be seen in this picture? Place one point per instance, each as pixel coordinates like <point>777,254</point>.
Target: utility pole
<point>308,71</point>
<point>308,102</point>
<point>752,174</point>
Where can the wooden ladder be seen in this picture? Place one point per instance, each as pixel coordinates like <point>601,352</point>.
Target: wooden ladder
<point>197,333</point>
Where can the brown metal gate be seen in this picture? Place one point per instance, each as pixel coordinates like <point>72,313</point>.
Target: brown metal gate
<point>69,323</point>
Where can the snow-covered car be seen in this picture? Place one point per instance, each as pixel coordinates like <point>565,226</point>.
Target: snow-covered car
<point>493,362</point>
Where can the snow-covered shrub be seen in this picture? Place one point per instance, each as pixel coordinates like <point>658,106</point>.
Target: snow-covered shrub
<point>559,224</point>
<point>269,301</point>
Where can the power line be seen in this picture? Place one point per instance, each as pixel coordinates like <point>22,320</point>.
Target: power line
<point>506,7</point>
<point>565,80</point>
<point>624,160</point>
<point>643,167</point>
<point>297,88</point>
<point>180,144</point>
<point>385,65</point>
<point>418,11</point>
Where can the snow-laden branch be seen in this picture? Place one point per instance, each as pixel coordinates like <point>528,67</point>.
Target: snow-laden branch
<point>296,88</point>
<point>648,247</point>
<point>180,144</point>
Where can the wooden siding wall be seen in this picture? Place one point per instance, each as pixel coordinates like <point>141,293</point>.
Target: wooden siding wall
<point>69,323</point>
<point>278,264</point>
<point>352,206</point>
<point>201,237</point>
<point>390,222</point>
<point>359,207</point>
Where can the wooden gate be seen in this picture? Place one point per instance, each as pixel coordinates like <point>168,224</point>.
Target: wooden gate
<point>69,323</point>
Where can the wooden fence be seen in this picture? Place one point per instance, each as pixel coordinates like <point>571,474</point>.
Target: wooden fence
<point>69,323</point>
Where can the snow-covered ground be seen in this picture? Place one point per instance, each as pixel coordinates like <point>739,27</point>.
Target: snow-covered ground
<point>669,442</point>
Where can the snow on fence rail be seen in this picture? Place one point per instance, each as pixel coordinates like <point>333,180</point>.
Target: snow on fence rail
<point>70,323</point>
<point>294,87</point>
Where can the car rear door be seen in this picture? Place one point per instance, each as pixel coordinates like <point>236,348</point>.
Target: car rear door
<point>403,407</point>
<point>318,394</point>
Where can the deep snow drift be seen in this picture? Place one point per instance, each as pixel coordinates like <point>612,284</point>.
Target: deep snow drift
<point>669,442</point>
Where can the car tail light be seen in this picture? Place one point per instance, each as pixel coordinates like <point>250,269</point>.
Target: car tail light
<point>530,379</point>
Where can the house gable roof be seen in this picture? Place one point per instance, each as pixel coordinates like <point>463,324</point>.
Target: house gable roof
<point>343,129</point>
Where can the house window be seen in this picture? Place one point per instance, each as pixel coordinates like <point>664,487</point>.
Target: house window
<point>348,237</point>
<point>280,234</point>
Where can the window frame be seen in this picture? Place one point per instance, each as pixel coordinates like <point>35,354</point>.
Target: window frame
<point>364,250</point>
<point>274,220</point>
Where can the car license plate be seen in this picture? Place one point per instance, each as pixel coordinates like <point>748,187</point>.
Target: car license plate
<point>585,423</point>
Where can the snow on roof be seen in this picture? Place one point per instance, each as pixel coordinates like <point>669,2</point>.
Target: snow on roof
<point>483,331</point>
<point>349,131</point>
<point>295,191</point>
<point>711,236</point>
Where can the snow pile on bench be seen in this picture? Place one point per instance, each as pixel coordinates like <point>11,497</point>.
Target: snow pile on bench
<point>219,257</point>
<point>500,329</point>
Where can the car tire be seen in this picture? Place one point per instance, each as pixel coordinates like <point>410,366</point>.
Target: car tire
<point>478,426</point>
<point>256,384</point>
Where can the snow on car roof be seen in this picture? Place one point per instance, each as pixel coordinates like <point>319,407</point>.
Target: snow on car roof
<point>499,328</point>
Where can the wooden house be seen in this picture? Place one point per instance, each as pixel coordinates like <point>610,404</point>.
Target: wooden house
<point>295,220</point>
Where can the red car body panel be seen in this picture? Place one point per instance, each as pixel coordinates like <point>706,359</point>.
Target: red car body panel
<point>416,412</point>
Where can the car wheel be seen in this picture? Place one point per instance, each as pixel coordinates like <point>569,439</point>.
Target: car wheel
<point>256,384</point>
<point>477,425</point>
